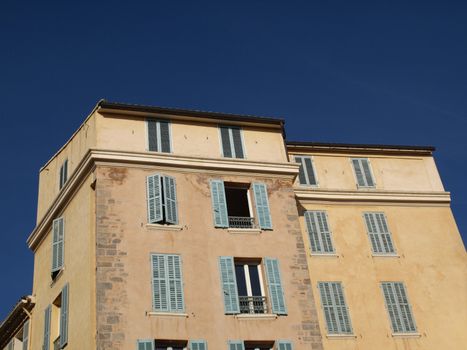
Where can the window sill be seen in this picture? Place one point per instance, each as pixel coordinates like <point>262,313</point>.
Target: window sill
<point>390,255</point>
<point>164,227</point>
<point>256,316</point>
<point>256,231</point>
<point>406,335</point>
<point>325,255</point>
<point>57,277</point>
<point>367,188</point>
<point>169,314</point>
<point>341,336</point>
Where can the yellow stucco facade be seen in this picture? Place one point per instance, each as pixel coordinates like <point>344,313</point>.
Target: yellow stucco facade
<point>109,243</point>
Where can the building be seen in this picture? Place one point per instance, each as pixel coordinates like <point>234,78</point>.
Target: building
<point>170,229</point>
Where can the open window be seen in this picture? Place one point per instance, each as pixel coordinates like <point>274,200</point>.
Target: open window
<point>239,209</point>
<point>259,345</point>
<point>250,286</point>
<point>171,345</point>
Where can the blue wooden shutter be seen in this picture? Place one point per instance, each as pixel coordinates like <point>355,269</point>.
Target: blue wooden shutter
<point>175,283</point>
<point>367,172</point>
<point>262,205</point>
<point>57,244</point>
<point>219,205</point>
<point>398,306</point>
<point>153,138</point>
<point>284,345</point>
<point>363,172</point>
<point>154,197</point>
<point>335,308</point>
<point>25,336</point>
<point>64,316</point>
<point>276,292</point>
<point>358,172</point>
<point>198,345</point>
<point>301,172</point>
<point>170,200</point>
<point>164,136</point>
<point>378,232</point>
<point>47,314</point>
<point>236,134</point>
<point>236,345</point>
<point>145,344</point>
<point>229,285</point>
<point>225,141</point>
<point>159,283</point>
<point>319,232</point>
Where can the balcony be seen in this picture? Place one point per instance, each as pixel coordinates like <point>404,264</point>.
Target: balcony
<point>253,305</point>
<point>241,222</point>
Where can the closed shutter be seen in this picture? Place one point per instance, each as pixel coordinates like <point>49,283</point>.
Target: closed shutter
<point>236,345</point>
<point>229,285</point>
<point>164,136</point>
<point>284,345</point>
<point>154,197</point>
<point>334,308</point>
<point>262,205</point>
<point>153,138</point>
<point>363,172</point>
<point>167,283</point>
<point>306,174</point>
<point>57,244</point>
<point>219,205</point>
<point>198,345</point>
<point>145,344</point>
<point>170,199</point>
<point>398,306</point>
<point>378,232</point>
<point>47,314</point>
<point>276,292</point>
<point>301,171</point>
<point>64,316</point>
<point>237,142</point>
<point>319,232</point>
<point>159,136</point>
<point>25,336</point>
<point>225,141</point>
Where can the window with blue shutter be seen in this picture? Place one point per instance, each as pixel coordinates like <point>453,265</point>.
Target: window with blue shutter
<point>232,142</point>
<point>335,308</point>
<point>319,231</point>
<point>167,283</point>
<point>198,345</point>
<point>162,199</point>
<point>276,292</point>
<point>25,345</point>
<point>159,139</point>
<point>58,236</point>
<point>236,345</point>
<point>398,307</point>
<point>64,316</point>
<point>219,205</point>
<point>284,345</point>
<point>262,205</point>
<point>47,315</point>
<point>63,174</point>
<point>306,175</point>
<point>145,344</point>
<point>229,285</point>
<point>378,233</point>
<point>363,172</point>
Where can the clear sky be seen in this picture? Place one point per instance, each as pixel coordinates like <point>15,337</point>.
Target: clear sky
<point>385,72</point>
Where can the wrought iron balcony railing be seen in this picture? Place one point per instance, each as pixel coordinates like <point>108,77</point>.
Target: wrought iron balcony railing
<point>253,304</point>
<point>241,222</point>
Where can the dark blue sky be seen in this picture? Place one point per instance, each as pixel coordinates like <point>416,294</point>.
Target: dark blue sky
<point>376,72</point>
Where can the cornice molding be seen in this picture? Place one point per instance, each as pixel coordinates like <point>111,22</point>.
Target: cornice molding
<point>99,156</point>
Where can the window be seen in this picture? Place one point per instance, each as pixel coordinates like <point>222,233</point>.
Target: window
<point>58,320</point>
<point>306,175</point>
<point>58,239</point>
<point>159,136</point>
<point>335,308</point>
<point>46,338</point>
<point>232,207</point>
<point>171,345</point>
<point>162,199</point>
<point>398,307</point>
<point>232,142</point>
<point>319,232</point>
<point>363,172</point>
<point>63,174</point>
<point>167,283</point>
<point>243,286</point>
<point>378,232</point>
<point>259,345</point>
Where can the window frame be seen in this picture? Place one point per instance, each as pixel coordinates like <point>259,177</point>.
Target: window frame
<point>54,272</point>
<point>63,174</point>
<point>379,234</point>
<point>320,234</point>
<point>329,332</point>
<point>230,127</point>
<point>158,120</point>
<point>163,201</point>
<point>409,305</point>
<point>370,167</point>
<point>302,157</point>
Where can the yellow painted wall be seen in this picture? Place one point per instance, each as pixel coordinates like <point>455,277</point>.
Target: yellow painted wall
<point>78,272</point>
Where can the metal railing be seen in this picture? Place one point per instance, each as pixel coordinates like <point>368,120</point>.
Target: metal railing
<point>241,222</point>
<point>253,304</point>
